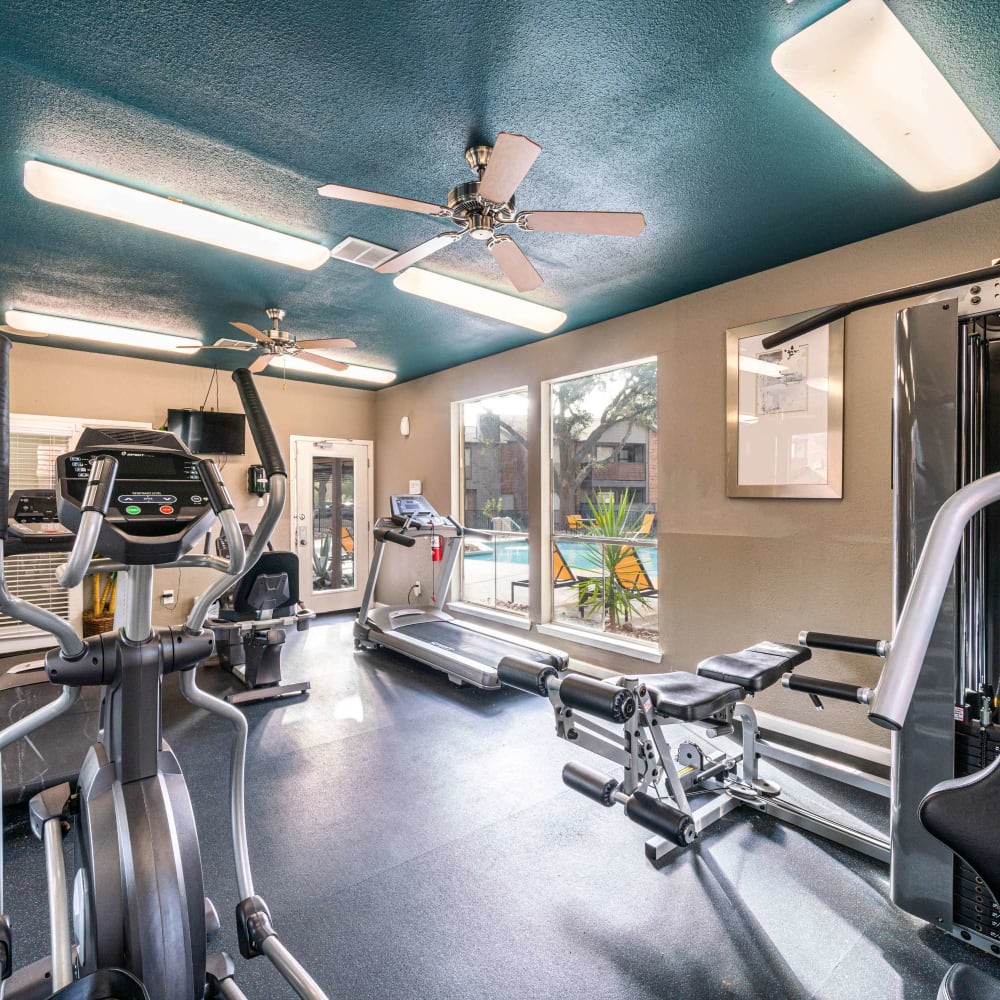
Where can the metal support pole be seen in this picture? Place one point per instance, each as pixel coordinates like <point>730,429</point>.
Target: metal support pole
<point>55,868</point>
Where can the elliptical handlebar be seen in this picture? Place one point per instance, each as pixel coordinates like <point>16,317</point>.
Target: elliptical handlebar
<point>96,497</point>
<point>260,427</point>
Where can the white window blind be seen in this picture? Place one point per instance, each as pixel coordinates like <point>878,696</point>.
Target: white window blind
<point>35,444</point>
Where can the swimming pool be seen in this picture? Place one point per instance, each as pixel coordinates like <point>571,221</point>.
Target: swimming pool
<point>579,555</point>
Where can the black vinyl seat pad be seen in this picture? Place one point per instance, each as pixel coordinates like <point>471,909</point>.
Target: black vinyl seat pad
<point>756,667</point>
<point>963,982</point>
<point>964,814</point>
<point>688,697</point>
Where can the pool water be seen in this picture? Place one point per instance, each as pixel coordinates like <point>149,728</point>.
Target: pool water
<point>579,555</point>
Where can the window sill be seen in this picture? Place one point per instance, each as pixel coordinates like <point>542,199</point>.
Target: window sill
<point>638,651</point>
<point>500,617</point>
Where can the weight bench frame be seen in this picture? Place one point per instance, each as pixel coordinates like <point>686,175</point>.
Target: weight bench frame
<point>670,772</point>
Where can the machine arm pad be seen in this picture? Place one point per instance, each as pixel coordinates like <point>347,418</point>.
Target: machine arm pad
<point>526,675</point>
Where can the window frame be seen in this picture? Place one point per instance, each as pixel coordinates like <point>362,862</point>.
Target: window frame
<point>457,598</point>
<point>548,624</point>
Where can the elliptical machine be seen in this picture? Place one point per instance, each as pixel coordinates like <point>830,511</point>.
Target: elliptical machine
<point>140,917</point>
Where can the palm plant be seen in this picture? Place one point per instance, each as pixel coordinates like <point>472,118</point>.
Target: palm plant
<point>608,594</point>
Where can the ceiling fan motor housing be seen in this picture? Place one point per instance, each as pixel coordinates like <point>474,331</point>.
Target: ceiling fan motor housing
<point>481,216</point>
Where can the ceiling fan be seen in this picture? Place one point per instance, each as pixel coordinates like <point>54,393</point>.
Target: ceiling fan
<point>276,343</point>
<point>479,208</point>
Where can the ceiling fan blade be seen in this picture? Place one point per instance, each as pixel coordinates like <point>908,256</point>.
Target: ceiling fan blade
<point>252,331</point>
<point>510,160</point>
<point>589,223</point>
<point>380,199</point>
<point>21,333</point>
<point>343,344</point>
<point>514,264</point>
<point>403,260</point>
<point>262,362</point>
<point>318,359</point>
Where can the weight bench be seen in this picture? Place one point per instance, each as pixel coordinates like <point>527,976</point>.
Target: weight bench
<point>660,777</point>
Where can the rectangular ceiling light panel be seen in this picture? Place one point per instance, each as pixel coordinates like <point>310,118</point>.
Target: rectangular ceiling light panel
<point>167,215</point>
<point>354,373</point>
<point>476,299</point>
<point>861,67</point>
<point>102,333</point>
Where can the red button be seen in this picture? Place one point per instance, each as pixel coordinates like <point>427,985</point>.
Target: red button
<point>166,510</point>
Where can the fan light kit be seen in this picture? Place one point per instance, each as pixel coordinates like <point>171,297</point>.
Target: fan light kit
<point>28,324</point>
<point>861,67</point>
<point>476,299</point>
<point>482,207</point>
<point>168,215</point>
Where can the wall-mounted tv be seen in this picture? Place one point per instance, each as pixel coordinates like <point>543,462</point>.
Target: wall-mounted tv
<point>207,432</point>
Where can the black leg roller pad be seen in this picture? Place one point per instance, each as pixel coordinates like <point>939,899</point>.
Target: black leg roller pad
<point>591,783</point>
<point>661,818</point>
<point>526,675</point>
<point>597,698</point>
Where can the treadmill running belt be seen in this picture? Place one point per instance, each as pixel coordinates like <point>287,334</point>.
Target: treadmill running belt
<point>471,644</point>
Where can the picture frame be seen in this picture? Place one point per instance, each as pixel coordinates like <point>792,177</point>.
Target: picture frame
<point>785,412</point>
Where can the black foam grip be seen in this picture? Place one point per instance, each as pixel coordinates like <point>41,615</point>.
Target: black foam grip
<point>526,675</point>
<point>591,783</point>
<point>260,427</point>
<point>97,495</point>
<point>388,535</point>
<point>822,687</point>
<point>597,698</point>
<point>841,643</point>
<point>660,817</point>
<point>215,486</point>
<point>4,432</point>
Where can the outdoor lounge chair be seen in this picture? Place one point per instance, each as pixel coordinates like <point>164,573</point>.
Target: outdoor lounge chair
<point>574,522</point>
<point>562,575</point>
<point>632,575</point>
<point>647,525</point>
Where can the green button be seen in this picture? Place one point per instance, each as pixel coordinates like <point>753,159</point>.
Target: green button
<point>133,509</point>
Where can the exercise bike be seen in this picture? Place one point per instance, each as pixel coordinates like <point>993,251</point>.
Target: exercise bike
<point>140,919</point>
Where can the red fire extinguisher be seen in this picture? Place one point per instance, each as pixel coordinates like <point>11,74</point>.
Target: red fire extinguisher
<point>437,548</point>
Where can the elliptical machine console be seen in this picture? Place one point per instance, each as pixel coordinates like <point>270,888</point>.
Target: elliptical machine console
<point>140,917</point>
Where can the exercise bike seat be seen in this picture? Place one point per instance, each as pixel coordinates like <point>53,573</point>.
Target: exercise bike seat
<point>963,982</point>
<point>962,814</point>
<point>756,667</point>
<point>688,697</point>
<point>105,984</point>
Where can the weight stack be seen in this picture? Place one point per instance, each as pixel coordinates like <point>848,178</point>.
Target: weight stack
<point>974,905</point>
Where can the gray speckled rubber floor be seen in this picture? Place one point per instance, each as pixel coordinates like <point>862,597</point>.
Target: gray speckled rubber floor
<point>414,840</point>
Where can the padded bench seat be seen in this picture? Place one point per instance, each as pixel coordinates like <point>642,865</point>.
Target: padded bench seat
<point>688,697</point>
<point>756,667</point>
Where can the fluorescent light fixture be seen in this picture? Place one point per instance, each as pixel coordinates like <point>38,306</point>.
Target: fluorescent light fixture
<point>101,333</point>
<point>861,67</point>
<point>356,373</point>
<point>476,299</point>
<point>167,215</point>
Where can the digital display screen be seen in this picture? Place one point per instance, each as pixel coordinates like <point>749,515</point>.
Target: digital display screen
<point>148,467</point>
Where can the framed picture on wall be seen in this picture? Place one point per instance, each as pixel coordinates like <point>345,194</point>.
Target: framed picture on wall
<point>785,412</point>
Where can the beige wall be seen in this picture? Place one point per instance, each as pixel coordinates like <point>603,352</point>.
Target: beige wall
<point>78,384</point>
<point>732,572</point>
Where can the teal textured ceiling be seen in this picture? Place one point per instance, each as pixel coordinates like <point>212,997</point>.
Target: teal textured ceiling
<point>671,108</point>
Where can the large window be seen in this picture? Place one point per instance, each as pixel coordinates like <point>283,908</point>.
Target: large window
<point>493,472</point>
<point>605,571</point>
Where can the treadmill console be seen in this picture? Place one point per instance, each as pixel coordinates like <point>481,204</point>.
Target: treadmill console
<point>416,510</point>
<point>159,507</point>
<point>33,524</point>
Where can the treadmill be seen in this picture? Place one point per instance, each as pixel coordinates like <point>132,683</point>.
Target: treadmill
<point>427,634</point>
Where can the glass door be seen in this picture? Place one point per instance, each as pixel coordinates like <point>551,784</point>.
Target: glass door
<point>331,520</point>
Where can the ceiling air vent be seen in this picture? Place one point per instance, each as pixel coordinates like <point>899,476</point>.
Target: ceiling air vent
<point>361,252</point>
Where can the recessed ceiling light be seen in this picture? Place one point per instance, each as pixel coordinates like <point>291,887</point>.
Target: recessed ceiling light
<point>861,67</point>
<point>78,329</point>
<point>476,299</point>
<point>168,215</point>
<point>353,373</point>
